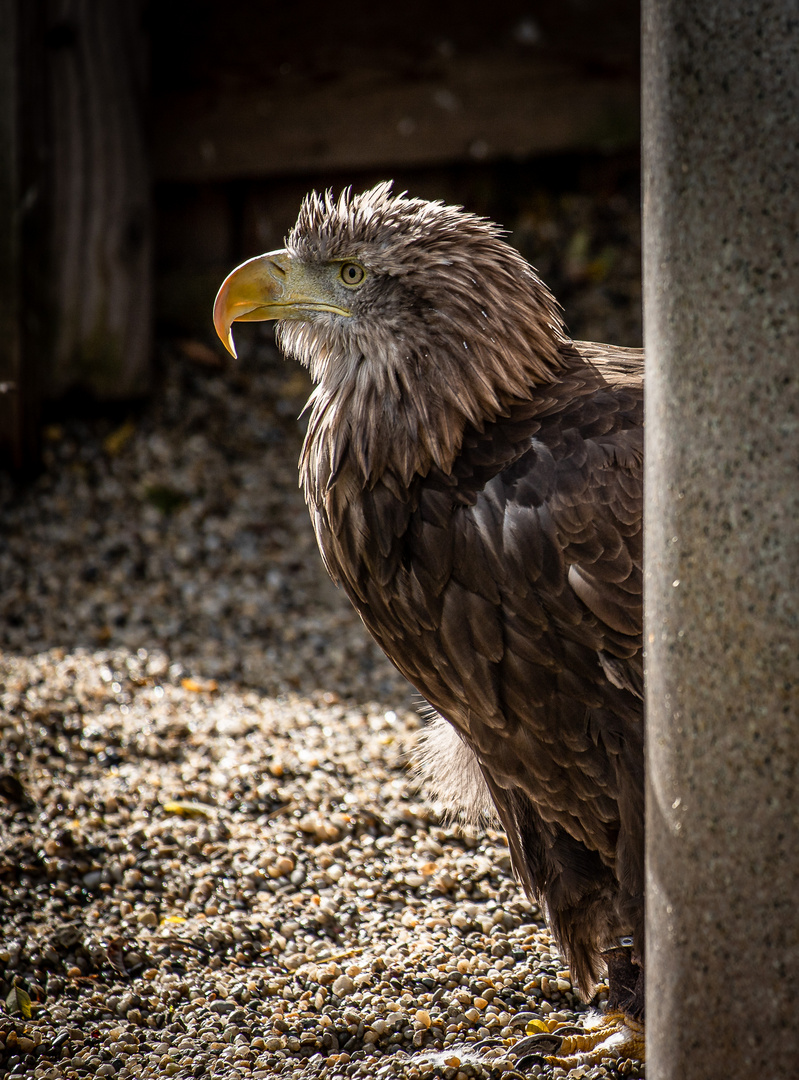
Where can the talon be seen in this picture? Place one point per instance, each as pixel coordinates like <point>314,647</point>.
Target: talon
<point>542,1043</point>
<point>529,1060</point>
<point>617,1036</point>
<point>568,1029</point>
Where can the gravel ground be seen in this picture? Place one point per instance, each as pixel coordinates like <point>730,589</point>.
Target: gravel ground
<point>214,860</point>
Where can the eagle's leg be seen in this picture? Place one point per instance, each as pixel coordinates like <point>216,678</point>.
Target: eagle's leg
<point>619,1032</point>
<point>625,981</point>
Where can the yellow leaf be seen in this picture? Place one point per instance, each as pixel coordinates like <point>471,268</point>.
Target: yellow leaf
<point>113,443</point>
<point>19,1002</point>
<point>188,809</point>
<point>535,1026</point>
<point>196,686</point>
<point>199,353</point>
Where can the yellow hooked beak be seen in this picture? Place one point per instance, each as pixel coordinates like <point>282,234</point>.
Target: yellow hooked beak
<point>271,286</point>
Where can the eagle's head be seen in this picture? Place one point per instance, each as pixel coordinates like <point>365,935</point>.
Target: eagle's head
<point>415,320</point>
<point>372,285</point>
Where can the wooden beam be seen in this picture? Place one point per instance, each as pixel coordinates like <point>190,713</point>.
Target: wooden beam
<point>23,296</point>
<point>9,239</point>
<point>75,234</point>
<point>474,108</point>
<point>102,236</point>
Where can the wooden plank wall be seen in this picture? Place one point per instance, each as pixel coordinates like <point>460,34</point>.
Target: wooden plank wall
<point>75,196</point>
<point>252,90</point>
<point>474,108</point>
<point>253,104</point>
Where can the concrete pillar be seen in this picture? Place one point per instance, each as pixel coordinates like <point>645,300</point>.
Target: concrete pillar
<point>721,242</point>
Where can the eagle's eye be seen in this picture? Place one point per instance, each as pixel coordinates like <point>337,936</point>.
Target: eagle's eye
<point>352,273</point>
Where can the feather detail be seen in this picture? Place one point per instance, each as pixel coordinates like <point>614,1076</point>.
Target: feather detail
<point>445,766</point>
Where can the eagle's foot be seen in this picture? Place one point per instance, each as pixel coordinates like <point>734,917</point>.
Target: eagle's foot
<point>616,1035</point>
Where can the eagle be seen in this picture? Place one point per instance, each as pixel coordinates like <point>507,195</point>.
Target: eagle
<point>475,481</point>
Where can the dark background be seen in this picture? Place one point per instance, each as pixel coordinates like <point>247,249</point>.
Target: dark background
<point>148,147</point>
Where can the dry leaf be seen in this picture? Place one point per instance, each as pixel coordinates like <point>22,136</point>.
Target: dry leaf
<point>19,1002</point>
<point>198,686</point>
<point>200,353</point>
<point>188,809</point>
<point>115,951</point>
<point>113,443</point>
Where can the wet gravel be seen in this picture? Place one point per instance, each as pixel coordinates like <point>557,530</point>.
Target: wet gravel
<point>213,859</point>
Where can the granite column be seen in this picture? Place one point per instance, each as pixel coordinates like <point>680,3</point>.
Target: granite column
<point>721,272</point>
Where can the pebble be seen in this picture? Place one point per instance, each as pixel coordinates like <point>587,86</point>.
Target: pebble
<point>223,1007</point>
<point>343,985</point>
<point>168,634</point>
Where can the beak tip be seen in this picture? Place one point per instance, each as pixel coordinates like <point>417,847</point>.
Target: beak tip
<point>222,322</point>
<point>247,294</point>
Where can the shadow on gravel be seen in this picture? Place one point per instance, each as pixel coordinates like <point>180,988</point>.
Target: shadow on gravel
<point>180,531</point>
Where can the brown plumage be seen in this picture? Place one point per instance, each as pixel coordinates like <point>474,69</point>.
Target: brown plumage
<point>474,478</point>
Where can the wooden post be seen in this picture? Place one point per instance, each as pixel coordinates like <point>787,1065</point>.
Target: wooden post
<point>75,232</point>
<point>17,438</point>
<point>101,198</point>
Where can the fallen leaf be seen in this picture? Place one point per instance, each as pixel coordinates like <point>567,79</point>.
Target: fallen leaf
<point>200,353</point>
<point>198,686</point>
<point>188,809</point>
<point>19,1002</point>
<point>113,443</point>
<point>115,951</point>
